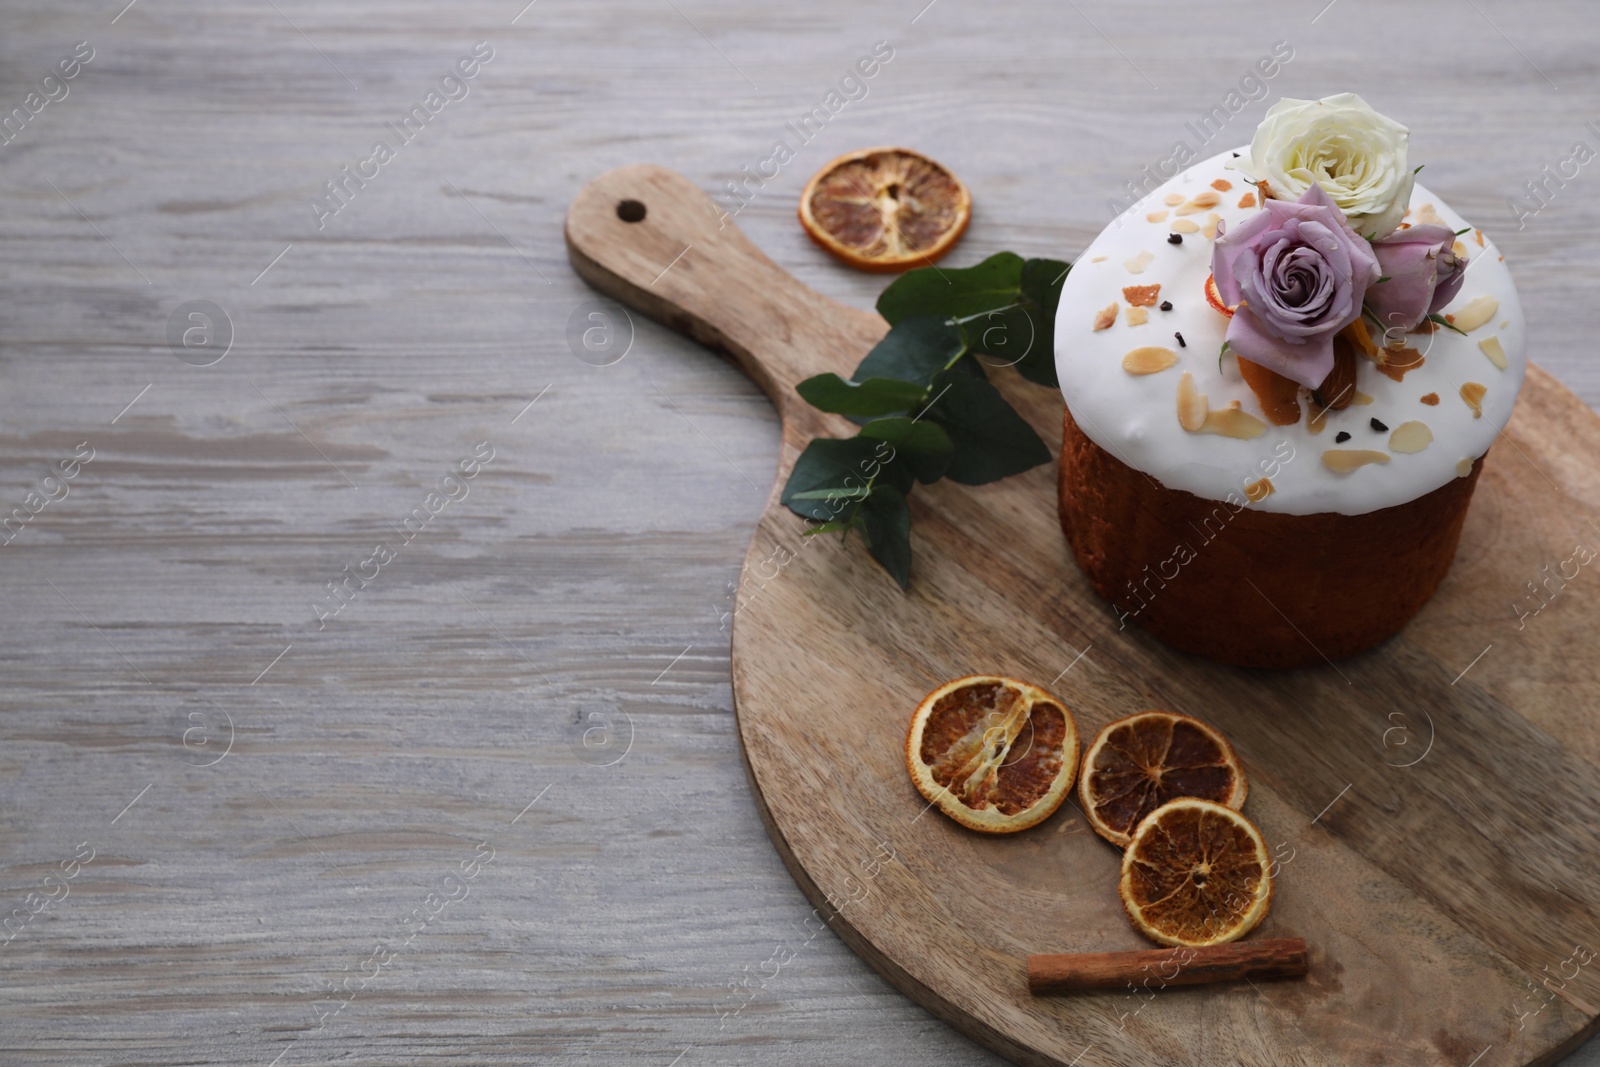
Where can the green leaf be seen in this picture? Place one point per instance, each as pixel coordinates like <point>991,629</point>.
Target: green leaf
<point>968,365</point>
<point>1042,280</point>
<point>943,324</point>
<point>913,350</point>
<point>1440,320</point>
<point>954,293</point>
<point>1023,335</point>
<point>1004,336</point>
<point>886,526</point>
<point>991,440</point>
<point>829,464</point>
<point>875,396</point>
<point>924,446</point>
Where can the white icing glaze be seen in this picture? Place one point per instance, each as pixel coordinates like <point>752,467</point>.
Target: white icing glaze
<point>1134,417</point>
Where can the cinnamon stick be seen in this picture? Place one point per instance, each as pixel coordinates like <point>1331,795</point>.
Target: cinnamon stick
<point>1159,968</point>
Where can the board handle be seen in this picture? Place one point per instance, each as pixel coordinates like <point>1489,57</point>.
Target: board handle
<point>648,238</point>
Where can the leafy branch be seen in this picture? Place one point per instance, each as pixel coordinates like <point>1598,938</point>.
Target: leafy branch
<point>926,407</point>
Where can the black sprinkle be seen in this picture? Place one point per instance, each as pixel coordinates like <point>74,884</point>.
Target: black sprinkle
<point>1166,305</point>
<point>1236,155</point>
<point>1174,238</point>
<point>1181,342</point>
<point>1341,437</point>
<point>1380,427</point>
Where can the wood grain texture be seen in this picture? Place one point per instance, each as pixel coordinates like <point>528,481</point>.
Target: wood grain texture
<point>828,660</point>
<point>637,912</point>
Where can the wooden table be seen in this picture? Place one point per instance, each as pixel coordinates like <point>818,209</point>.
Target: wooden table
<point>492,810</point>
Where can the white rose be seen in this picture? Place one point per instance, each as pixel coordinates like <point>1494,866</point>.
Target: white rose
<point>1357,155</point>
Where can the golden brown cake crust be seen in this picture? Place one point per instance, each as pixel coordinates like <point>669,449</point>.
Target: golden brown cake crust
<point>1247,587</point>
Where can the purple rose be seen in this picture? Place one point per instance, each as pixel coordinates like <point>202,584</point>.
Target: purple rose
<point>1421,274</point>
<point>1295,274</point>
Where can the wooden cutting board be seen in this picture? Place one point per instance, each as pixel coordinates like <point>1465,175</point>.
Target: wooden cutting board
<point>1433,804</point>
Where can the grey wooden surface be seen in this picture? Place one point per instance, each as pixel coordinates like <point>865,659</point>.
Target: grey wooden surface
<point>540,676</point>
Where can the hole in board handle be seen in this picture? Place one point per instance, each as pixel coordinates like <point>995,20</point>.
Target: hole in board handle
<point>630,211</point>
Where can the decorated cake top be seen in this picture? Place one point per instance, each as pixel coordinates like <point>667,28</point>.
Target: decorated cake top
<point>1296,327</point>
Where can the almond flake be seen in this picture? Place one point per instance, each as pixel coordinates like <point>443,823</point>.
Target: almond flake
<point>1345,460</point>
<point>1185,226</point>
<point>1173,199</point>
<point>1428,216</point>
<point>1138,263</point>
<point>1473,394</point>
<point>1222,185</point>
<point>1463,467</point>
<point>1361,398</point>
<point>1142,296</point>
<point>1410,437</point>
<point>1137,316</point>
<point>1479,235</point>
<point>1459,250</point>
<point>1431,399</point>
<point>1151,359</point>
<point>1098,259</point>
<point>1258,491</point>
<point>1479,310</point>
<point>1210,228</point>
<point>1156,216</point>
<point>1491,348</point>
<point>1247,200</point>
<point>1231,421</point>
<point>1105,317</point>
<point>1191,404</point>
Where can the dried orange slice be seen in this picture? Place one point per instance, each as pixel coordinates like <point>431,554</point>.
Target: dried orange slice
<point>994,754</point>
<point>1214,296</point>
<point>1196,873</point>
<point>1137,764</point>
<point>885,209</point>
<point>1279,396</point>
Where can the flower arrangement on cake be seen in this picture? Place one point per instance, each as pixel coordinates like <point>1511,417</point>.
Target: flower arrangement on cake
<point>1212,340</point>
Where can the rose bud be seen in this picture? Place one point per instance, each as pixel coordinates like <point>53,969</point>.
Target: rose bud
<point>1421,274</point>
